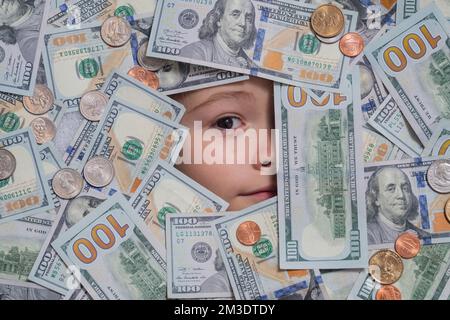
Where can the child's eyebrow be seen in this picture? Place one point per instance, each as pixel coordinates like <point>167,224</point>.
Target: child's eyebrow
<point>236,95</point>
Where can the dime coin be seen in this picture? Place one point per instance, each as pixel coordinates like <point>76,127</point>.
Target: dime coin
<point>327,21</point>
<point>388,292</point>
<point>385,266</point>
<point>351,44</point>
<point>7,164</point>
<point>98,172</point>
<point>41,102</point>
<point>67,183</point>
<point>248,233</point>
<point>116,31</point>
<point>438,176</point>
<point>44,129</point>
<point>148,78</point>
<point>149,63</point>
<point>447,210</point>
<point>92,105</point>
<point>407,245</point>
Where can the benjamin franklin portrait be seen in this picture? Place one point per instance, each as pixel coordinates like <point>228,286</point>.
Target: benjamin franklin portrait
<point>218,282</point>
<point>391,206</point>
<point>227,30</point>
<point>20,22</point>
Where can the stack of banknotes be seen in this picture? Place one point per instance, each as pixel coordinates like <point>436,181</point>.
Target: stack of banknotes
<point>363,164</point>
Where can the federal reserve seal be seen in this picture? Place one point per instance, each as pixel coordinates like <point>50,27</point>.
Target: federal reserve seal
<point>188,19</point>
<point>201,252</point>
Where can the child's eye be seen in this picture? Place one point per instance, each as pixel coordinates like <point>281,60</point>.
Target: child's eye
<point>228,122</point>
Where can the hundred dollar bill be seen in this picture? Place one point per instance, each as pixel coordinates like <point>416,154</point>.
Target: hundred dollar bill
<point>174,76</point>
<point>49,270</point>
<point>390,122</point>
<point>27,191</point>
<point>18,290</point>
<point>20,49</point>
<point>133,139</point>
<point>439,144</point>
<point>14,116</point>
<point>417,49</point>
<point>371,94</point>
<point>398,198</point>
<point>117,257</point>
<point>424,277</point>
<point>21,239</point>
<point>406,8</point>
<point>274,40</point>
<point>194,264</point>
<point>321,207</point>
<point>253,270</point>
<point>75,13</point>
<point>167,190</point>
<point>130,90</point>
<point>77,61</point>
<point>339,283</point>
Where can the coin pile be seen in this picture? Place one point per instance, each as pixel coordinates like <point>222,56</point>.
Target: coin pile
<point>328,23</point>
<point>386,266</point>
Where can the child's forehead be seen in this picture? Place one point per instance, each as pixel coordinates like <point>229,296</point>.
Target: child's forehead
<point>243,90</point>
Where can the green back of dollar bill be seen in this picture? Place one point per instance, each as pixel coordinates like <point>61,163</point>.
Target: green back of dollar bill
<point>116,255</point>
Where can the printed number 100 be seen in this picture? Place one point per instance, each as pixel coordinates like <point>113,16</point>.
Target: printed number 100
<point>95,234</point>
<point>401,58</point>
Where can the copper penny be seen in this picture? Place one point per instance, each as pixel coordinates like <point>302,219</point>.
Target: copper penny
<point>115,31</point>
<point>447,210</point>
<point>92,105</point>
<point>44,129</point>
<point>148,78</point>
<point>385,266</point>
<point>351,44</point>
<point>407,245</point>
<point>41,102</point>
<point>248,233</point>
<point>327,21</point>
<point>388,292</point>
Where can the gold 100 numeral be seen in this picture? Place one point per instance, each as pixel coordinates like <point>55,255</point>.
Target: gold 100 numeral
<point>399,53</point>
<point>86,243</point>
<point>304,98</point>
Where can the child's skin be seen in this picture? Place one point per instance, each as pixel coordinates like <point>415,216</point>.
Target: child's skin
<point>244,105</point>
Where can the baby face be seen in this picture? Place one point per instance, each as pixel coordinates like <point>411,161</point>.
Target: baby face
<point>231,111</point>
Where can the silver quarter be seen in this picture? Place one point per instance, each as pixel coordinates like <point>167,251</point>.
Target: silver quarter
<point>115,31</point>
<point>7,164</point>
<point>438,176</point>
<point>67,183</point>
<point>99,172</point>
<point>93,104</point>
<point>149,63</point>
